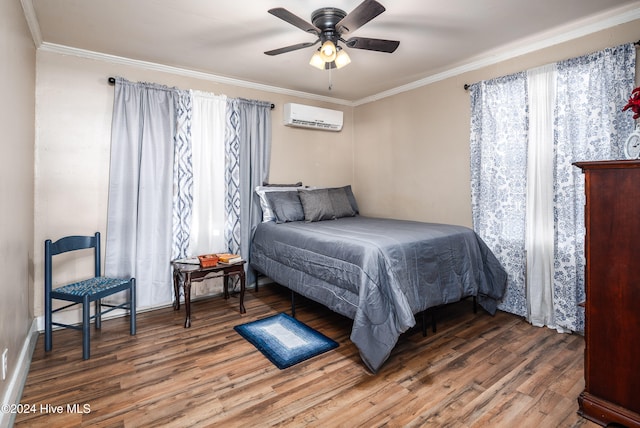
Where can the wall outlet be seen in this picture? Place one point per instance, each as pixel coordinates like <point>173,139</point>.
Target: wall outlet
<point>5,367</point>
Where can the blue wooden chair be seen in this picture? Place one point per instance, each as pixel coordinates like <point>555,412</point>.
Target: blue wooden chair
<point>83,292</point>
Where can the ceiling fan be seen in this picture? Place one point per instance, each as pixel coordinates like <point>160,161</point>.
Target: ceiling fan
<point>329,24</point>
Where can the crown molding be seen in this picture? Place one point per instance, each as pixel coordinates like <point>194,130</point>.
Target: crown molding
<point>82,53</point>
<point>544,40</point>
<point>32,22</point>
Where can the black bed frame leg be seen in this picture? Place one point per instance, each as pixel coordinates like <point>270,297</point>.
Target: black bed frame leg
<point>293,304</point>
<point>433,320</point>
<point>431,311</point>
<point>256,275</point>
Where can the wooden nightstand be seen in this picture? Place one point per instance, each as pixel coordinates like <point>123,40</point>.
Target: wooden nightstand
<point>196,273</point>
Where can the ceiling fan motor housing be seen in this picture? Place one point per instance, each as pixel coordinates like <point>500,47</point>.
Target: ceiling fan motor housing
<point>325,20</point>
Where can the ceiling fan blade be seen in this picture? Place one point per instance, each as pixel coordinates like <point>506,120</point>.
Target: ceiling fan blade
<point>379,45</point>
<point>363,13</point>
<point>292,19</point>
<point>291,48</point>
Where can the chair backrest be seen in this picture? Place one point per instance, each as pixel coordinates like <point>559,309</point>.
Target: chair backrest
<point>66,244</point>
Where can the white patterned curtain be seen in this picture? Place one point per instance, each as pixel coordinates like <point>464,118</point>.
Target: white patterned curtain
<point>499,176</point>
<point>182,178</point>
<point>232,158</point>
<point>249,141</point>
<point>510,148</point>
<point>590,125</point>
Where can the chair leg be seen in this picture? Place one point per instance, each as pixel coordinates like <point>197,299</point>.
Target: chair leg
<point>86,317</point>
<point>132,307</point>
<point>48,333</point>
<point>98,314</point>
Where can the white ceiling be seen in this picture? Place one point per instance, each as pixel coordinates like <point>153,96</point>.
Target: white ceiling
<point>226,39</point>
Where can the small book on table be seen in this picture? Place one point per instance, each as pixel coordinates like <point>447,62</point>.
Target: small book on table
<point>229,258</point>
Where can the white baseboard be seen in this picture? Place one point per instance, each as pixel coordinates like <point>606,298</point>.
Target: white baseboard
<point>16,383</point>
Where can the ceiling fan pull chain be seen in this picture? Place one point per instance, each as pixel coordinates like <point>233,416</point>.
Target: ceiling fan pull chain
<point>330,81</point>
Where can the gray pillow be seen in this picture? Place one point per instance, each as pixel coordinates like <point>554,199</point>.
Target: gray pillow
<point>340,203</point>
<point>286,206</point>
<point>267,212</point>
<point>352,198</point>
<point>316,204</point>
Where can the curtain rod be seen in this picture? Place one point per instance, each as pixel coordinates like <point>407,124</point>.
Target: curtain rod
<point>112,81</point>
<point>467,86</point>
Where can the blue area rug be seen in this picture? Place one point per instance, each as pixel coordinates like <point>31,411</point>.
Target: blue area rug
<point>284,340</point>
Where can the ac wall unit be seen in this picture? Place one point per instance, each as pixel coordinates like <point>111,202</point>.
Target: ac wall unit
<point>302,116</point>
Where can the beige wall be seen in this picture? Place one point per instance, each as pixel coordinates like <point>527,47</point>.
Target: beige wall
<point>17,86</point>
<point>74,108</point>
<point>411,155</point>
<point>411,150</point>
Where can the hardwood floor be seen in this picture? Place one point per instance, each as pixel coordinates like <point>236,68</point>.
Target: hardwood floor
<point>477,370</point>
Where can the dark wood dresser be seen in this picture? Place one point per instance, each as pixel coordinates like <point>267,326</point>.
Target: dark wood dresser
<point>612,284</point>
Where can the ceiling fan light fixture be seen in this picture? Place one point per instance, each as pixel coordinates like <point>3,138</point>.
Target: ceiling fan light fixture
<point>328,51</point>
<point>317,61</point>
<point>342,59</point>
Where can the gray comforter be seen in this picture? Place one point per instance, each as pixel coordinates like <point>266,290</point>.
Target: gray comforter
<point>379,272</point>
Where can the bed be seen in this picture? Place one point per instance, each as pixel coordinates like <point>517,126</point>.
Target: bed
<point>377,272</point>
